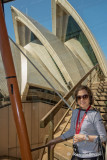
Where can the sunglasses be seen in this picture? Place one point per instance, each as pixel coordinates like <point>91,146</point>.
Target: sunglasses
<point>82,97</point>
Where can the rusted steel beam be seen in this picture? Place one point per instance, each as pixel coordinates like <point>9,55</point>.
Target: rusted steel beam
<point>13,90</point>
<point>5,1</point>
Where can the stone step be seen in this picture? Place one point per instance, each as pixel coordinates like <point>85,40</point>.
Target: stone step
<point>67,118</point>
<point>45,157</point>
<point>100,98</point>
<point>100,103</point>
<point>70,112</point>
<point>104,116</point>
<point>105,124</point>
<point>62,126</point>
<point>101,109</point>
<point>68,143</point>
<point>63,152</point>
<point>102,81</point>
<point>100,94</point>
<point>99,85</point>
<point>99,90</point>
<point>57,134</point>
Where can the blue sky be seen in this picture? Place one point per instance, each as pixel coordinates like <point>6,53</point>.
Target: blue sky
<point>93,12</point>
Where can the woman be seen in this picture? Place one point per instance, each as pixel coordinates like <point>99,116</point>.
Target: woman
<point>86,128</point>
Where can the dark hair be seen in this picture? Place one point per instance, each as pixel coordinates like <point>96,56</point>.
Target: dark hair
<point>83,87</point>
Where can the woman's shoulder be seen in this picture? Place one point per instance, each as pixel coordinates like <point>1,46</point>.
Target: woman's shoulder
<point>75,111</point>
<point>94,109</point>
<point>93,113</point>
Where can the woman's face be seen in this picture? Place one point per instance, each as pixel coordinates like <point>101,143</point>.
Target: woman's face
<point>83,99</point>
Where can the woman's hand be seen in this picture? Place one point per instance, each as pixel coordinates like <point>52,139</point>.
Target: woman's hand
<point>54,141</point>
<point>82,137</point>
<point>79,138</point>
<point>51,143</point>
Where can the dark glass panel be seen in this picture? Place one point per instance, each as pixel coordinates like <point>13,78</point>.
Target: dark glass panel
<point>74,31</point>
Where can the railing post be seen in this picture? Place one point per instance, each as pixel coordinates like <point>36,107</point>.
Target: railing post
<point>51,133</point>
<point>43,149</point>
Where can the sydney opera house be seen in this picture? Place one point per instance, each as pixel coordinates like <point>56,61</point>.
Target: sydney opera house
<point>46,63</point>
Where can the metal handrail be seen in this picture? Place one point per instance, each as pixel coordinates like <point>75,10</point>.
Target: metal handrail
<point>48,145</point>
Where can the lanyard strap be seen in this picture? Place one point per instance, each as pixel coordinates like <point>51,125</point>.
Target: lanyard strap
<point>78,126</point>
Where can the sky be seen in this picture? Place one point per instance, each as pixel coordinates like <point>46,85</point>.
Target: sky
<point>93,13</point>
